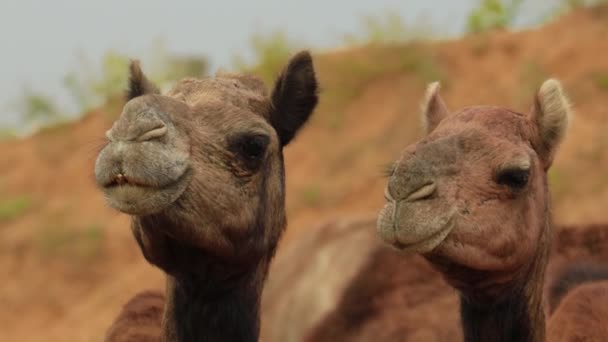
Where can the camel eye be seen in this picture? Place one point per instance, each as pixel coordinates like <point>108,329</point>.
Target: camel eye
<point>250,148</point>
<point>516,179</point>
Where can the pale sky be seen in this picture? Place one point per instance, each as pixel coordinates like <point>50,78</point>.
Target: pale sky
<point>40,39</point>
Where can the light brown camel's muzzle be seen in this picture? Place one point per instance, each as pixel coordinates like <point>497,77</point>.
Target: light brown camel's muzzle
<point>417,217</point>
<point>415,223</point>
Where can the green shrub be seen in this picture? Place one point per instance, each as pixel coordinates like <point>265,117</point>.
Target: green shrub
<point>531,76</point>
<point>573,4</point>
<point>13,207</point>
<point>92,86</point>
<point>7,134</point>
<point>388,27</point>
<point>601,80</point>
<point>311,195</point>
<point>492,15</point>
<point>423,64</point>
<point>270,52</point>
<point>60,241</point>
<point>558,182</point>
<point>35,109</point>
<point>565,6</point>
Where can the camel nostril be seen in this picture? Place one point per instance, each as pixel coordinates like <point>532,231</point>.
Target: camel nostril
<point>154,133</point>
<point>423,192</point>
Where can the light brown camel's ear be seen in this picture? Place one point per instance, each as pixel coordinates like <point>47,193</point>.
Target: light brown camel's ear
<point>433,108</point>
<point>551,114</point>
<point>294,97</point>
<point>138,82</point>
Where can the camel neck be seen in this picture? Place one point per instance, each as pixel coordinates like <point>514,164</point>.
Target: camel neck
<point>205,307</point>
<point>209,297</point>
<point>517,318</point>
<point>515,312</point>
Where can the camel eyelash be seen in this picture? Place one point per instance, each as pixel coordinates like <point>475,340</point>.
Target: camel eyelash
<point>388,170</point>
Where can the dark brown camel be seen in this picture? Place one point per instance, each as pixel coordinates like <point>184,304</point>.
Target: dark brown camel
<point>578,302</point>
<point>380,294</point>
<point>472,198</point>
<point>200,170</point>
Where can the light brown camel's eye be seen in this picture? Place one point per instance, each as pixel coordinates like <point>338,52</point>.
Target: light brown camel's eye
<point>516,179</point>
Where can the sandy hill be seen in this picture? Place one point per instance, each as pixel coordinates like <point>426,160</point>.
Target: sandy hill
<point>68,262</point>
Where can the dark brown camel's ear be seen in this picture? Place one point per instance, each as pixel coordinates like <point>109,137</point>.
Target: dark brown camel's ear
<point>294,97</point>
<point>138,82</point>
<point>433,108</point>
<point>551,115</point>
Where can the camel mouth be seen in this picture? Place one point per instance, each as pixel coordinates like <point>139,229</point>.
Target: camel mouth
<point>123,180</point>
<point>415,238</point>
<point>426,244</point>
<point>136,197</point>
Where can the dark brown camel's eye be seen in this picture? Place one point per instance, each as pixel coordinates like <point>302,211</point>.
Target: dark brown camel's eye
<point>250,148</point>
<point>516,179</point>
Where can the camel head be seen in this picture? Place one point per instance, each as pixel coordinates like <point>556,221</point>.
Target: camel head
<point>203,164</point>
<point>472,194</point>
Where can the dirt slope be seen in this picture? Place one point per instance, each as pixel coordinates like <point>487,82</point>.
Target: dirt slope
<point>68,262</point>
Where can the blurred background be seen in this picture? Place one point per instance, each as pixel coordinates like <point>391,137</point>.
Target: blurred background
<point>69,262</point>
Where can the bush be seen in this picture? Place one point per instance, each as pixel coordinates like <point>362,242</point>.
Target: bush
<point>7,134</point>
<point>387,28</point>
<point>311,195</point>
<point>13,208</point>
<point>68,242</point>
<point>573,4</point>
<point>270,52</point>
<point>492,15</point>
<point>36,109</point>
<point>601,80</point>
<point>90,88</point>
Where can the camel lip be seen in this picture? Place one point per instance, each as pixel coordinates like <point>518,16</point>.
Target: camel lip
<point>129,181</point>
<point>126,181</point>
<point>134,199</point>
<point>135,184</point>
<point>428,243</point>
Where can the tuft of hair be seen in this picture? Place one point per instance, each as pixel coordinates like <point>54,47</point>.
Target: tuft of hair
<point>250,82</point>
<point>432,108</point>
<point>138,82</point>
<point>139,320</point>
<point>294,96</point>
<point>572,276</point>
<point>553,113</point>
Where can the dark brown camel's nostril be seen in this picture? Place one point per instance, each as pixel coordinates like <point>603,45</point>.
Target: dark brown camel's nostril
<point>423,192</point>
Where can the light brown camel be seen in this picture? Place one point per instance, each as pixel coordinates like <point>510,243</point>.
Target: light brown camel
<point>200,170</point>
<point>472,197</point>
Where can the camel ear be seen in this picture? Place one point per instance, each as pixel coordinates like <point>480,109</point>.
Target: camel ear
<point>551,115</point>
<point>294,97</point>
<point>138,82</point>
<point>433,108</point>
